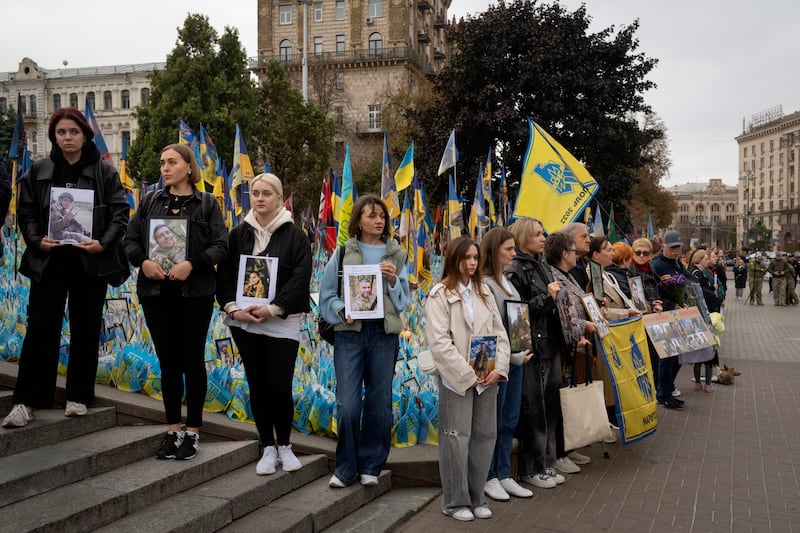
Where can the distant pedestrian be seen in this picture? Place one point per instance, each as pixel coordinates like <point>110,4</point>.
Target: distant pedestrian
<point>778,268</point>
<point>740,277</point>
<point>755,277</point>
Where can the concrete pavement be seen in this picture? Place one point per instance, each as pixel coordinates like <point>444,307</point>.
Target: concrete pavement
<point>729,461</point>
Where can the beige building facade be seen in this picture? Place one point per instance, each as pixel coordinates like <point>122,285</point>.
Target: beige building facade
<point>113,91</point>
<point>706,213</point>
<point>359,53</point>
<point>769,192</point>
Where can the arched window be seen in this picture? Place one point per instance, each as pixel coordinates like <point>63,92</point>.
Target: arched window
<point>715,208</point>
<point>107,101</point>
<point>56,101</point>
<point>285,51</point>
<point>699,208</point>
<point>145,96</point>
<point>125,97</point>
<point>73,100</point>
<point>375,45</point>
<point>90,100</point>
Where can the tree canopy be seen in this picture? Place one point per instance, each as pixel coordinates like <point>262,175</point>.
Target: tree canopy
<point>526,59</point>
<point>205,80</point>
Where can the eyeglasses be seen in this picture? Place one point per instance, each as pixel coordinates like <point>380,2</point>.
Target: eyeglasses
<point>641,252</point>
<point>572,250</point>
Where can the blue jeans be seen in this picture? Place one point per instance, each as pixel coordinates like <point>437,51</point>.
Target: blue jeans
<point>364,422</point>
<point>667,370</point>
<point>509,399</point>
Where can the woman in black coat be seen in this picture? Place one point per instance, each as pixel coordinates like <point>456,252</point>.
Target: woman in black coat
<point>740,277</point>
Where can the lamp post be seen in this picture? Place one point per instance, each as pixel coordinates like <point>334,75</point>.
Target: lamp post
<point>305,4</point>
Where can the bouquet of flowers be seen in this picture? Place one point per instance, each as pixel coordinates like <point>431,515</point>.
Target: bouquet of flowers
<point>677,286</point>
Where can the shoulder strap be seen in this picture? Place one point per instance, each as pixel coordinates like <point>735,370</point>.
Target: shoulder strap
<point>340,257</point>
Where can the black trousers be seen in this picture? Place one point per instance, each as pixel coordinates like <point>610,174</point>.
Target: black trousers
<point>540,416</point>
<point>269,366</point>
<point>179,327</point>
<point>84,295</point>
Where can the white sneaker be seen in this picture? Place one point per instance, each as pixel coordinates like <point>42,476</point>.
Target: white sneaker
<point>75,409</point>
<point>542,481</point>
<point>336,483</point>
<point>18,417</point>
<point>676,393</point>
<point>495,491</point>
<point>482,512</point>
<point>566,466</point>
<point>555,475</point>
<point>579,458</point>
<point>268,462</point>
<point>462,515</point>
<point>288,459</point>
<point>612,438</point>
<point>368,480</point>
<point>513,488</point>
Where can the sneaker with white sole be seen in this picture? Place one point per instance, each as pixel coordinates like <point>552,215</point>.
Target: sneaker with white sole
<point>495,491</point>
<point>287,458</point>
<point>676,393</point>
<point>169,446</point>
<point>482,512</point>
<point>189,447</point>
<point>462,515</point>
<point>566,466</point>
<point>18,417</point>
<point>268,462</point>
<point>368,480</point>
<point>542,481</point>
<point>513,488</point>
<point>336,483</point>
<point>555,475</point>
<point>579,458</point>
<point>75,409</point>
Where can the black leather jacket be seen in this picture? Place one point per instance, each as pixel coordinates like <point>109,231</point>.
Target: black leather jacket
<point>207,243</point>
<point>530,276</point>
<point>290,245</point>
<point>33,210</point>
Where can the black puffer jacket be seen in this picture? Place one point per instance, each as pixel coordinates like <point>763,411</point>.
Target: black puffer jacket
<point>530,276</point>
<point>109,219</point>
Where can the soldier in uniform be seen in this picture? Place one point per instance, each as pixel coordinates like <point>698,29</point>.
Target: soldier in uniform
<point>364,301</point>
<point>779,268</point>
<point>755,275</point>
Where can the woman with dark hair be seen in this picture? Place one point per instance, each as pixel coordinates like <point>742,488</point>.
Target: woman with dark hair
<point>497,251</point>
<point>178,301</point>
<point>458,308</point>
<point>364,351</point>
<point>60,270</point>
<point>268,336</point>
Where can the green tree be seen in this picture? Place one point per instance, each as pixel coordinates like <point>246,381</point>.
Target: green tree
<point>758,237</point>
<point>205,80</point>
<point>7,122</point>
<point>294,138</point>
<point>524,59</point>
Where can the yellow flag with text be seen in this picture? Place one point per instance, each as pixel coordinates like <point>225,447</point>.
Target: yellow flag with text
<point>555,186</point>
<point>627,357</point>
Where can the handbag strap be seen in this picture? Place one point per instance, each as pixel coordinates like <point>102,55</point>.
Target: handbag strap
<point>339,274</point>
<point>572,381</point>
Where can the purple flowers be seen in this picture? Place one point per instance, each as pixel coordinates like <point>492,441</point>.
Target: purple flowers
<point>675,282</point>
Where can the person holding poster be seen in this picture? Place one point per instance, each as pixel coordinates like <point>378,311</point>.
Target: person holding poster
<point>497,252</point>
<point>365,350</point>
<point>178,301</point>
<point>268,335</point>
<point>65,274</point>
<point>699,264</point>
<point>459,308</point>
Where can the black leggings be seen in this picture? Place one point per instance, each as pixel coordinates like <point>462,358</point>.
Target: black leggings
<point>269,365</point>
<point>179,327</point>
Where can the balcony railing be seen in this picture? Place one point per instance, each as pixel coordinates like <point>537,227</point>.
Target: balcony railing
<point>393,53</point>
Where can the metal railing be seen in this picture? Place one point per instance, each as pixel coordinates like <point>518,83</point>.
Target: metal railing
<point>394,53</point>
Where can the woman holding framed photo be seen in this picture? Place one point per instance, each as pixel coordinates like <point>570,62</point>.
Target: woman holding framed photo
<point>178,302</point>
<point>458,309</point>
<point>268,335</point>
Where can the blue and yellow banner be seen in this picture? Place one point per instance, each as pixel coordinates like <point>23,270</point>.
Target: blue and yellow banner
<point>627,358</point>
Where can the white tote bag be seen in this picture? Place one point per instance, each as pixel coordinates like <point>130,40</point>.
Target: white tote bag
<point>584,412</point>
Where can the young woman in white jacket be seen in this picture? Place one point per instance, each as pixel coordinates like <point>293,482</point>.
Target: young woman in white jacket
<point>459,307</point>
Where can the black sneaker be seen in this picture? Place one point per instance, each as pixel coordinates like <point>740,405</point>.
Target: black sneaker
<point>189,447</point>
<point>170,445</point>
<point>679,402</point>
<point>670,403</point>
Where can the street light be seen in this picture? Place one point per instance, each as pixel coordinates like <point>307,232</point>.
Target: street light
<point>305,4</point>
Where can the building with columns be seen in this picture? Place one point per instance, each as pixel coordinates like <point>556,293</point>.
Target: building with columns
<point>706,213</point>
<point>769,192</point>
<point>358,53</point>
<point>114,92</point>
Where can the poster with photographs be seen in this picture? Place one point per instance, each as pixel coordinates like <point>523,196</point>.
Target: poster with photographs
<point>518,319</point>
<point>167,241</point>
<point>596,277</point>
<point>363,291</point>
<point>679,332</point>
<point>255,282</point>
<point>566,314</point>
<point>482,354</point>
<point>225,351</point>
<point>593,310</point>
<point>637,293</point>
<point>70,215</point>
<point>694,297</point>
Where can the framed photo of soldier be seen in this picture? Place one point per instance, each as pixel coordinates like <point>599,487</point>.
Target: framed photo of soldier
<point>637,293</point>
<point>71,211</point>
<point>167,241</point>
<point>593,310</point>
<point>256,281</point>
<point>363,291</point>
<point>519,326</point>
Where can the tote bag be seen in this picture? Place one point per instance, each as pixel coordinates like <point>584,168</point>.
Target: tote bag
<point>584,412</point>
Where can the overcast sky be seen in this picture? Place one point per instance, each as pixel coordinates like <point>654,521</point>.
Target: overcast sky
<point>719,60</point>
